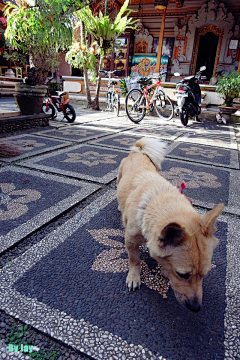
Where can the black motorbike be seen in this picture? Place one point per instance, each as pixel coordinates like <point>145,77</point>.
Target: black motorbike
<point>188,94</point>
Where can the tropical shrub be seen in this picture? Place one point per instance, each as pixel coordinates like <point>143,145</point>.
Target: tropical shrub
<point>229,87</point>
<point>40,29</point>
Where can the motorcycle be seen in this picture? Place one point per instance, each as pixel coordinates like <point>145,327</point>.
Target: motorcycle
<point>188,94</point>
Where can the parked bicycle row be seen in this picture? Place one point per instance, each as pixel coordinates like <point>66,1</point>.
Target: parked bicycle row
<point>147,94</point>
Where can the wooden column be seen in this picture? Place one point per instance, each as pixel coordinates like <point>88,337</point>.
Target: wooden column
<point>239,66</point>
<point>160,42</point>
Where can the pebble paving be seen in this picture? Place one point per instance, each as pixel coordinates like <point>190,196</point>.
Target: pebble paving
<point>29,200</point>
<point>68,281</point>
<point>75,133</point>
<point>216,139</point>
<point>87,315</point>
<point>30,145</point>
<point>162,132</point>
<point>82,162</point>
<point>117,141</point>
<point>204,154</point>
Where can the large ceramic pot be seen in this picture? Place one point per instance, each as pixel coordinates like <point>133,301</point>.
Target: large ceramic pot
<point>30,98</point>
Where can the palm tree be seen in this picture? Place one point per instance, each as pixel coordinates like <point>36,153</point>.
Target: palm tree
<point>105,33</point>
<point>106,7</point>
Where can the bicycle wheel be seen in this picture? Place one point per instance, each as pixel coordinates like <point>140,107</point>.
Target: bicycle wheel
<point>49,109</point>
<point>164,106</point>
<point>135,105</point>
<point>70,114</point>
<point>116,104</point>
<point>184,116</point>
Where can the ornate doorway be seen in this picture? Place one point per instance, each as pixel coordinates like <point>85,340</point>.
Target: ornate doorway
<point>206,50</point>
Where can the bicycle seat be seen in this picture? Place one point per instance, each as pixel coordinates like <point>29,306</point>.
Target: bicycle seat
<point>113,83</point>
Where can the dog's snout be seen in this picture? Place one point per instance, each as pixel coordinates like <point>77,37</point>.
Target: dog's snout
<point>193,305</point>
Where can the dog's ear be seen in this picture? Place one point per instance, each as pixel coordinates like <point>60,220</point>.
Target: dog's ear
<point>171,236</point>
<point>209,220</point>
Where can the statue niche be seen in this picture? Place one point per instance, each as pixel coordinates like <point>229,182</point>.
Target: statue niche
<point>143,41</point>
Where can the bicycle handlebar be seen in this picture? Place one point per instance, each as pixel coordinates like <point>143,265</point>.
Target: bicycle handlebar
<point>49,80</point>
<point>108,72</point>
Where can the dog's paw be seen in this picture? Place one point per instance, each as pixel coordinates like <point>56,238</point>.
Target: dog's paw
<point>133,281</point>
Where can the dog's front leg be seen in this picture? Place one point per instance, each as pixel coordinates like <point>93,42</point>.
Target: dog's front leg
<point>132,244</point>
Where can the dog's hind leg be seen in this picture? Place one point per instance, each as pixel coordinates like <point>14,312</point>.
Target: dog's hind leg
<point>132,244</point>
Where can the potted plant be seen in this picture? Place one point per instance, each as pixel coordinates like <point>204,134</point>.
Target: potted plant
<point>39,30</point>
<point>228,87</point>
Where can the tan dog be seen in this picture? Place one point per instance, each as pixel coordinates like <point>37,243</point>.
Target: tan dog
<point>156,213</point>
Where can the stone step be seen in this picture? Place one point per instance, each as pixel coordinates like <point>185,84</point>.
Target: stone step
<point>9,114</point>
<point>7,85</point>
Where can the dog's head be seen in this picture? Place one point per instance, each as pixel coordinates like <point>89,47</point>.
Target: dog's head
<point>183,244</point>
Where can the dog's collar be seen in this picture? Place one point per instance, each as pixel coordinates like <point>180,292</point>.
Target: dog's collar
<point>181,188</point>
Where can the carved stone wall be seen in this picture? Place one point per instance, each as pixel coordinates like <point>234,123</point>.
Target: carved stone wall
<point>214,17</point>
<point>143,40</point>
<point>211,13</point>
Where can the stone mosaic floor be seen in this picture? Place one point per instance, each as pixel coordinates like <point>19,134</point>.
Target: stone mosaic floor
<point>30,145</point>
<point>204,154</point>
<point>82,162</point>
<point>89,248</point>
<point>76,133</point>
<point>225,139</point>
<point>29,200</point>
<point>161,132</point>
<point>59,217</point>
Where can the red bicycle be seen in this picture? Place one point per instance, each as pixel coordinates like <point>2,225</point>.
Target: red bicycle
<point>137,101</point>
<point>54,103</point>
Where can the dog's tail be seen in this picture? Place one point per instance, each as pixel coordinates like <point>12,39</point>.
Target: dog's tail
<point>153,148</point>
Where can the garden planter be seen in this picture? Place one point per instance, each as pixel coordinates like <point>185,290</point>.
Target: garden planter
<point>30,98</point>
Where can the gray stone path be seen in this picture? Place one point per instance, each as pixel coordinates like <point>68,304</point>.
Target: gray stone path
<point>70,284</point>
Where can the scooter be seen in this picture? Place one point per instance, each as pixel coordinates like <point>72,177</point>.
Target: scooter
<point>188,94</point>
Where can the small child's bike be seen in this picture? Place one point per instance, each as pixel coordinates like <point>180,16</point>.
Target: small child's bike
<point>113,98</point>
<point>54,103</point>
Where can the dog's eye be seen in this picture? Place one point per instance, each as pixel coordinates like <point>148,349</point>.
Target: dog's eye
<point>184,276</point>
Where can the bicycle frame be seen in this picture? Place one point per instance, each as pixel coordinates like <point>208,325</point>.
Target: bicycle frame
<point>56,101</point>
<point>145,92</point>
<point>110,92</point>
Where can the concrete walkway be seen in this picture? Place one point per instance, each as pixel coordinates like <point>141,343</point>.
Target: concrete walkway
<point>63,260</point>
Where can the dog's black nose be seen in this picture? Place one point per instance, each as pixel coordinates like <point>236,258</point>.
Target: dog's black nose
<point>193,305</point>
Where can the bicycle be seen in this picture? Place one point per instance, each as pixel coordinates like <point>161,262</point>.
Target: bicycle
<point>54,103</point>
<point>113,98</point>
<point>137,101</point>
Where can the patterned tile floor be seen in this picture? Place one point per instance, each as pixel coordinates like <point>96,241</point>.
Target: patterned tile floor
<point>81,161</point>
<point>28,201</point>
<point>70,284</point>
<point>75,133</point>
<point>30,145</point>
<point>204,154</point>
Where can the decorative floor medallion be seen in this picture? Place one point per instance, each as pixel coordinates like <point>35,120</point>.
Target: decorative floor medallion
<point>81,161</point>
